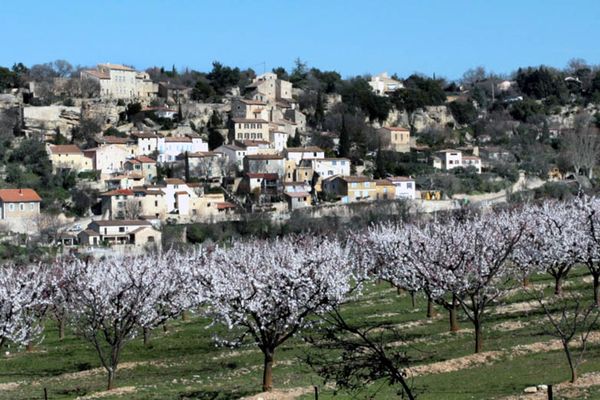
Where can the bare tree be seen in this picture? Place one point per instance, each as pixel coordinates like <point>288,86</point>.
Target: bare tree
<point>361,354</point>
<point>574,323</point>
<point>132,209</point>
<point>582,145</point>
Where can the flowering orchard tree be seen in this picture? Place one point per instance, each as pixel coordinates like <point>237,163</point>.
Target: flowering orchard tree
<point>587,214</point>
<point>23,297</point>
<point>109,300</point>
<point>389,256</point>
<point>268,289</point>
<point>487,245</point>
<point>553,240</point>
<point>463,263</point>
<point>436,253</point>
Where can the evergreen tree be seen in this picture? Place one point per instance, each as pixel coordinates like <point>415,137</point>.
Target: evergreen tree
<point>344,147</point>
<point>215,139</point>
<point>319,110</point>
<point>380,172</point>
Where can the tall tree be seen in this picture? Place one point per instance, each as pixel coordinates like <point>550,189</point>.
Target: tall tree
<point>344,146</point>
<point>267,290</point>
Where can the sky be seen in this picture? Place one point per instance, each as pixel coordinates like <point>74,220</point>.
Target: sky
<point>441,37</point>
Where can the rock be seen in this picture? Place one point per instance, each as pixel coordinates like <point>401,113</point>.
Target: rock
<point>543,388</point>
<point>530,389</point>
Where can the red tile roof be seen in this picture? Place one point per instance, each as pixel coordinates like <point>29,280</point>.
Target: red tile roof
<point>18,195</point>
<point>224,205</point>
<point>65,149</point>
<point>118,192</point>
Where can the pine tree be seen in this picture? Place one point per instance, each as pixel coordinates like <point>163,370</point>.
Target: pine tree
<point>344,147</point>
<point>380,172</point>
<point>319,110</point>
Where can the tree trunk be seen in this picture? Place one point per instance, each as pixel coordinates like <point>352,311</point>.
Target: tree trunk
<point>412,298</point>
<point>61,328</point>
<point>111,378</point>
<point>596,289</point>
<point>29,347</point>
<point>558,285</point>
<point>526,282</point>
<point>478,337</point>
<point>146,336</point>
<point>572,366</point>
<point>184,316</point>
<point>453,314</point>
<point>430,309</point>
<point>267,385</point>
<point>165,328</point>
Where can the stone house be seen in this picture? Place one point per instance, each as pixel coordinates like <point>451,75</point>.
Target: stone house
<point>139,233</point>
<point>108,158</point>
<point>253,129</point>
<point>68,156</point>
<point>142,165</point>
<point>134,203</point>
<point>395,139</point>
<point>122,82</point>
<point>249,109</point>
<point>19,208</point>
<point>350,189</point>
<point>268,88</point>
<point>297,200</point>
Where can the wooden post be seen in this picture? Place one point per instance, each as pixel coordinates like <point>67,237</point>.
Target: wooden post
<point>550,394</point>
<point>45,394</point>
<point>316,392</point>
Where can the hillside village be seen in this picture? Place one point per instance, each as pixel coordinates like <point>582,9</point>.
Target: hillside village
<point>105,157</point>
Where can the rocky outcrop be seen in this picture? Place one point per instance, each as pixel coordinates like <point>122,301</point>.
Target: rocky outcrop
<point>200,113</point>
<point>432,117</point>
<point>106,112</point>
<point>47,119</point>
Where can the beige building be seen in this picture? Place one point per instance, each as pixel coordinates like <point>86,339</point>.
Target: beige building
<point>395,138</point>
<point>144,166</point>
<point>19,208</point>
<point>108,159</point>
<point>268,88</point>
<point>253,129</point>
<point>139,233</point>
<point>134,203</point>
<point>122,82</point>
<point>68,156</point>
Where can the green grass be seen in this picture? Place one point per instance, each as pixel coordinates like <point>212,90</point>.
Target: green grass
<point>184,363</point>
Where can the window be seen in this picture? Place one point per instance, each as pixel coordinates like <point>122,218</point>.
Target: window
<point>354,184</point>
<point>11,207</point>
<point>366,184</point>
<point>31,206</point>
<point>409,185</point>
<point>21,206</point>
<point>121,229</point>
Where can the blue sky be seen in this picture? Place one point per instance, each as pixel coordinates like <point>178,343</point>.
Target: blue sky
<point>445,37</point>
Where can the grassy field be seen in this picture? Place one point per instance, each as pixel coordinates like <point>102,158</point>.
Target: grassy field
<point>183,363</point>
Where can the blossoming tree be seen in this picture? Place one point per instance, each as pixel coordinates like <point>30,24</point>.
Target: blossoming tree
<point>268,289</point>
